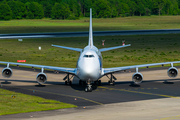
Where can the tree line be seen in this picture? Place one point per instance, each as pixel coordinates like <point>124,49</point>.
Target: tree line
<point>74,9</point>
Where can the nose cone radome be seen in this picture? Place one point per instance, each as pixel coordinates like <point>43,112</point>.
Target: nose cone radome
<point>89,70</point>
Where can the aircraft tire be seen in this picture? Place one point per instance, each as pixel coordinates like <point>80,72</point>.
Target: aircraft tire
<point>88,89</point>
<point>80,82</point>
<point>70,83</point>
<point>99,82</point>
<point>65,82</point>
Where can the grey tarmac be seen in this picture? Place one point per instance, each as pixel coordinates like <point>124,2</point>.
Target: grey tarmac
<point>157,98</point>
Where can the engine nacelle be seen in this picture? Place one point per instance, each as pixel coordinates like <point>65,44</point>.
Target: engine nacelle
<point>7,72</point>
<point>41,78</point>
<point>172,72</point>
<point>137,78</point>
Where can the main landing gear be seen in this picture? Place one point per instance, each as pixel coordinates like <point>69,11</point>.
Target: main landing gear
<point>111,79</point>
<point>68,79</point>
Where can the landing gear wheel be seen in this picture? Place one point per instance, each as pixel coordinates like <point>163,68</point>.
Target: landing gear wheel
<point>111,83</point>
<point>66,83</point>
<point>99,82</point>
<point>70,83</point>
<point>88,89</point>
<point>80,82</point>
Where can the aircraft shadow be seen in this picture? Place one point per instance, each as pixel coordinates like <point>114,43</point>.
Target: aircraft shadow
<point>75,83</point>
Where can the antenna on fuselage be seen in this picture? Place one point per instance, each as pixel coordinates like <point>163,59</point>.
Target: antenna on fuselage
<point>90,30</point>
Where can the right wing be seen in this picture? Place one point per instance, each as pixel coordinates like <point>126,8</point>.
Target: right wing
<point>62,69</point>
<point>69,48</point>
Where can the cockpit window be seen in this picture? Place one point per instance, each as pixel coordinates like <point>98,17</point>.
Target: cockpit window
<point>85,55</point>
<point>88,56</point>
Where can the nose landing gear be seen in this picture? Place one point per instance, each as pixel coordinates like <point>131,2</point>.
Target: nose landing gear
<point>89,86</point>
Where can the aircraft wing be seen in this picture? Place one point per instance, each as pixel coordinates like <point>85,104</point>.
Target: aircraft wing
<point>62,69</point>
<point>112,48</point>
<point>116,69</point>
<point>69,48</point>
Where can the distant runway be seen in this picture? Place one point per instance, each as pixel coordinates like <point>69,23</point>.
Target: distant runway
<point>85,34</point>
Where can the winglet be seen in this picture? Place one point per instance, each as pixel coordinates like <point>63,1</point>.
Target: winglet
<point>90,30</point>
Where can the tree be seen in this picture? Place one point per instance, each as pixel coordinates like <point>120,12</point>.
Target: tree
<point>74,8</point>
<point>113,8</point>
<point>140,7</point>
<point>133,7</point>
<point>174,10</point>
<point>36,9</point>
<point>123,9</point>
<point>18,9</point>
<point>159,4</point>
<point>85,7</point>
<point>102,9</point>
<point>47,7</point>
<point>60,11</point>
<point>5,11</point>
<point>167,6</point>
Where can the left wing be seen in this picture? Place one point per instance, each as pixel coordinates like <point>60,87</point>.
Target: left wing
<point>112,48</point>
<point>62,69</point>
<point>116,69</point>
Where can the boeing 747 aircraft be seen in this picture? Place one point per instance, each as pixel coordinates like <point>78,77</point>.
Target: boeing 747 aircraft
<point>89,67</point>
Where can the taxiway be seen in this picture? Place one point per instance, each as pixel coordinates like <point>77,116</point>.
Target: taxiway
<point>156,98</point>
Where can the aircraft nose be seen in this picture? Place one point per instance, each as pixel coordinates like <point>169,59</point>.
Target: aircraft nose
<point>89,71</point>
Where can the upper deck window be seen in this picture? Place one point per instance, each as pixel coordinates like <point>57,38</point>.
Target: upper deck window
<point>88,56</point>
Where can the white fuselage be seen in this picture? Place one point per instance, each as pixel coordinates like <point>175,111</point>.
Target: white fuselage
<point>89,65</point>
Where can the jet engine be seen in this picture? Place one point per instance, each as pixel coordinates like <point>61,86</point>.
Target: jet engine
<point>41,78</point>
<point>137,78</point>
<point>172,72</point>
<point>7,72</point>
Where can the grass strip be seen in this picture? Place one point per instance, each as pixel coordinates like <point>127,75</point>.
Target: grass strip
<point>22,103</point>
<point>101,24</point>
<point>144,49</point>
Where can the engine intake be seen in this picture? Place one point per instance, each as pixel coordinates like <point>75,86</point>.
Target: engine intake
<point>7,72</point>
<point>137,78</point>
<point>172,72</point>
<point>41,78</point>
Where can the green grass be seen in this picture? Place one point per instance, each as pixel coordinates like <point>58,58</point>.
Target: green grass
<point>144,49</point>
<point>26,103</point>
<point>121,23</point>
